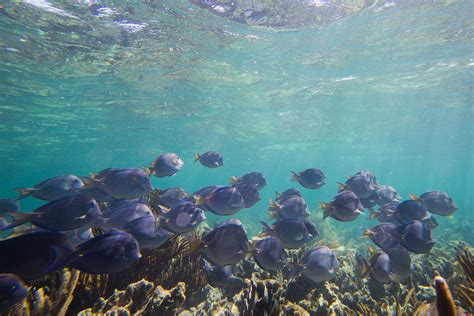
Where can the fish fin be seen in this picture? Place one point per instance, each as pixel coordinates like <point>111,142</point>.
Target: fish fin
<point>24,192</point>
<point>19,219</point>
<point>58,255</point>
<point>348,176</point>
<point>365,266</point>
<point>358,211</point>
<point>195,244</point>
<point>277,195</point>
<point>272,214</point>
<point>265,226</point>
<point>295,270</point>
<point>148,170</point>
<point>233,180</point>
<point>373,213</point>
<point>371,252</point>
<point>197,157</point>
<point>327,209</point>
<point>294,176</point>
<point>273,205</point>
<point>414,197</point>
<point>341,186</point>
<point>367,233</point>
<point>90,182</point>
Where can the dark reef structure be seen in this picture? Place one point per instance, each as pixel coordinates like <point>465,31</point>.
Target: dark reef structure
<point>171,281</point>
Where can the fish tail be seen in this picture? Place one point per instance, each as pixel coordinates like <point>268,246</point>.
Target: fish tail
<point>232,180</point>
<point>414,197</point>
<point>18,219</point>
<point>327,209</point>
<point>148,170</point>
<point>367,233</point>
<point>373,214</point>
<point>273,205</point>
<point>195,244</point>
<point>89,182</point>
<point>295,270</point>
<point>197,157</point>
<point>266,229</point>
<point>272,214</point>
<point>294,176</point>
<point>341,186</point>
<point>24,192</point>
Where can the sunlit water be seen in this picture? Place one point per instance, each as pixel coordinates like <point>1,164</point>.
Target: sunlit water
<point>388,88</point>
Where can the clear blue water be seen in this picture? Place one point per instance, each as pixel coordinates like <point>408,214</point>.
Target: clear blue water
<point>388,88</point>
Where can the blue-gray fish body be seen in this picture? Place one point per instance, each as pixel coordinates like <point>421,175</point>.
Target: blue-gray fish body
<point>292,232</point>
<point>166,165</point>
<point>280,197</point>
<point>319,264</point>
<point>12,291</point>
<point>121,214</point>
<point>384,235</point>
<point>438,202</point>
<point>34,255</point>
<point>182,218</point>
<point>98,194</point>
<point>291,207</point>
<point>416,237</point>
<point>9,206</point>
<point>386,213</point>
<point>210,159</point>
<point>401,261</point>
<point>410,210</point>
<point>173,196</point>
<point>344,207</point>
<point>222,276</point>
<point>269,254</point>
<point>226,244</point>
<point>222,201</point>
<point>387,194</point>
<point>381,267</point>
<point>249,194</point>
<point>68,213</point>
<point>362,184</point>
<point>54,188</point>
<point>146,232</point>
<point>310,178</point>
<point>368,175</point>
<point>127,183</point>
<point>256,179</point>
<point>109,253</point>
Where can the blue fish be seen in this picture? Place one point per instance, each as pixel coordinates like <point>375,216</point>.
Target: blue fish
<point>318,264</point>
<point>53,189</point>
<point>165,165</point>
<point>12,291</point>
<point>210,159</point>
<point>34,255</point>
<point>109,253</point>
<point>416,237</point>
<point>182,218</point>
<point>256,179</point>
<point>127,183</point>
<point>224,245</point>
<point>269,254</point>
<point>293,232</point>
<point>68,213</point>
<point>309,178</point>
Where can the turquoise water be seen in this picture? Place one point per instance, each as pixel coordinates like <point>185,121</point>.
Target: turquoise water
<point>363,84</point>
<point>388,88</point>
